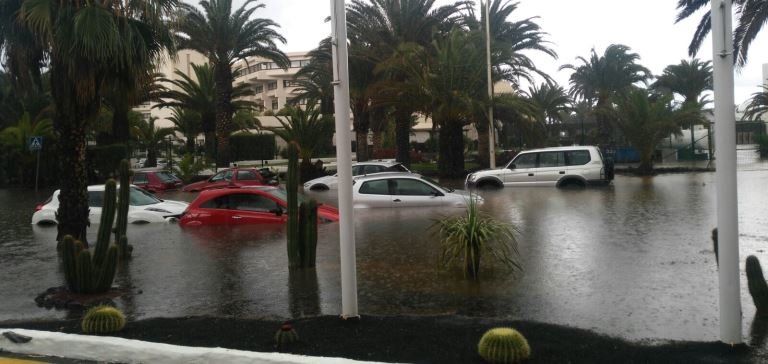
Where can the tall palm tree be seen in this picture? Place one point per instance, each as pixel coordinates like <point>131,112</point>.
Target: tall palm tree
<point>126,91</point>
<point>187,123</point>
<point>85,43</point>
<point>306,127</point>
<point>385,25</point>
<point>151,138</point>
<point>751,14</point>
<point>226,36</point>
<point>688,80</point>
<point>198,94</point>
<point>758,105</point>
<point>602,77</point>
<point>315,79</point>
<point>552,104</point>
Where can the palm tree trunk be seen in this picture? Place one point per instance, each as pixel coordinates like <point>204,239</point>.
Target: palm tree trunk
<point>224,110</point>
<point>70,122</point>
<point>376,142</point>
<point>151,157</point>
<point>403,137</point>
<point>191,145</point>
<point>483,145</point>
<point>361,124</point>
<point>120,127</point>
<point>451,161</point>
<point>361,138</point>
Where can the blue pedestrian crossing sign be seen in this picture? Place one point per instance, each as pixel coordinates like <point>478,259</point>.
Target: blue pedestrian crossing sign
<point>35,143</point>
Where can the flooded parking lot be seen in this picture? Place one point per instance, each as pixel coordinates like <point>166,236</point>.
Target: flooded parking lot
<point>634,260</point>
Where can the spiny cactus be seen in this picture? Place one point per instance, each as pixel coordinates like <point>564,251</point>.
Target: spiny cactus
<point>86,273</point>
<point>103,320</point>
<point>308,233</point>
<point>121,226</point>
<point>292,191</point>
<point>285,336</point>
<point>503,345</point>
<point>758,289</point>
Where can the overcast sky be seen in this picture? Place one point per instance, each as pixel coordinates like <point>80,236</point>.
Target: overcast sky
<point>574,28</point>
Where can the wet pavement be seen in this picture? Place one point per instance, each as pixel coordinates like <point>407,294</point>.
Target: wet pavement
<point>633,260</point>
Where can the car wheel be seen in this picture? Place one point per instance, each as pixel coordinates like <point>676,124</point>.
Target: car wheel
<point>488,185</point>
<point>318,187</point>
<point>573,184</point>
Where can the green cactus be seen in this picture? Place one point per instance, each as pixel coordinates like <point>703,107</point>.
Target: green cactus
<point>503,345</point>
<point>308,237</point>
<point>285,336</point>
<point>292,191</point>
<point>103,320</point>
<point>758,289</point>
<point>121,226</point>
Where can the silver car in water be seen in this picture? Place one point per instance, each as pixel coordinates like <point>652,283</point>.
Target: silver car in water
<point>406,190</point>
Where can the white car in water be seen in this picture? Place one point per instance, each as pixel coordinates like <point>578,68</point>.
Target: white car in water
<point>142,208</point>
<point>358,169</point>
<point>406,190</point>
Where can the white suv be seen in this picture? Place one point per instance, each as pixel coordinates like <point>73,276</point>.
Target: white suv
<point>576,166</point>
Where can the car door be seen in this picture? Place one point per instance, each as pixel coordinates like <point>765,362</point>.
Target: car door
<point>410,192</point>
<point>373,194</point>
<point>251,208</point>
<point>551,168</point>
<point>214,211</point>
<point>522,170</point>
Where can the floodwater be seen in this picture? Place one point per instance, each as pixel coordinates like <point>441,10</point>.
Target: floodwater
<point>633,260</point>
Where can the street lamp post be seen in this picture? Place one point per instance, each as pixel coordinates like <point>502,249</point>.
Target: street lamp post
<point>491,128</point>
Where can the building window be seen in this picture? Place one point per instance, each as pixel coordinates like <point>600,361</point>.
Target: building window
<point>274,104</point>
<point>272,86</point>
<point>258,89</point>
<point>289,83</point>
<point>301,101</point>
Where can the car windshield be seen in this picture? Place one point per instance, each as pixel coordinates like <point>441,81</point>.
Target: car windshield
<point>140,197</point>
<point>166,177</point>
<point>282,196</point>
<point>445,189</point>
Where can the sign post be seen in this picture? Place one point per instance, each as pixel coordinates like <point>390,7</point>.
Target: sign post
<point>35,145</point>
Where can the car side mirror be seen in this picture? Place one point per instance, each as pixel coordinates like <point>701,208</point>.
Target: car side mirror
<point>437,194</point>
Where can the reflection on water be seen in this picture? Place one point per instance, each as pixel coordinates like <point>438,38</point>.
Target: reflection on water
<point>634,260</point>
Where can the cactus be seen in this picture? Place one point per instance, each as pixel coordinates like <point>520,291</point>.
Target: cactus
<point>103,320</point>
<point>308,234</point>
<point>86,273</point>
<point>758,289</point>
<point>292,191</point>
<point>123,199</point>
<point>503,345</point>
<point>285,336</point>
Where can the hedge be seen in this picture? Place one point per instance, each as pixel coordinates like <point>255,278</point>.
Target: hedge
<point>248,147</point>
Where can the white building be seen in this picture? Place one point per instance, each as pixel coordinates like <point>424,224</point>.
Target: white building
<point>273,86</point>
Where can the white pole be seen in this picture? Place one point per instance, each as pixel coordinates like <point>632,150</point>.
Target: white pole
<point>344,160</point>
<point>491,128</point>
<point>725,175</point>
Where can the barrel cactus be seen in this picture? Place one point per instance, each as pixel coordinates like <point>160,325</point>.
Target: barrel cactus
<point>758,289</point>
<point>103,320</point>
<point>503,345</point>
<point>286,336</point>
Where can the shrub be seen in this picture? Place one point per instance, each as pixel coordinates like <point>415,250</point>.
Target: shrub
<point>285,336</point>
<point>503,345</point>
<point>465,238</point>
<point>103,320</point>
<point>762,145</point>
<point>246,146</point>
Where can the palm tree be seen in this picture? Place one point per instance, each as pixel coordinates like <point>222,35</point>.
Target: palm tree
<point>314,79</point>
<point>198,94</point>
<point>602,77</point>
<point>688,80</point>
<point>552,104</point>
<point>16,140</point>
<point>751,14</point>
<point>758,105</point>
<point>307,127</point>
<point>646,119</point>
<point>85,43</point>
<point>124,92</point>
<point>187,123</point>
<point>383,26</point>
<point>517,114</point>
<point>226,36</point>
<point>151,138</point>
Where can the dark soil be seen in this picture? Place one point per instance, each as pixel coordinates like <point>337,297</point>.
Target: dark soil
<point>62,298</point>
<point>415,339</point>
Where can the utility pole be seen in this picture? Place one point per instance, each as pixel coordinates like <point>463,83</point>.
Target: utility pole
<point>725,174</point>
<point>491,128</point>
<point>344,160</point>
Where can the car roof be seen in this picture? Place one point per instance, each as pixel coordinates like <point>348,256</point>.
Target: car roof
<point>384,175</point>
<point>378,162</point>
<point>555,149</point>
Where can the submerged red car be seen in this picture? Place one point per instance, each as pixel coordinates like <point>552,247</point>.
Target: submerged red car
<point>233,177</point>
<point>244,206</point>
<point>154,180</point>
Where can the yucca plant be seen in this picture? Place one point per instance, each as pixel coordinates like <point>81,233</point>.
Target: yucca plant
<point>464,239</point>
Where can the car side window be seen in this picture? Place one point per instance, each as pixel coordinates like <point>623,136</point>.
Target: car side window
<point>577,157</point>
<point>218,177</point>
<point>372,169</point>
<point>357,170</point>
<point>396,168</point>
<point>249,202</point>
<point>378,187</point>
<point>551,159</point>
<point>525,161</point>
<point>96,198</point>
<point>246,176</point>
<point>140,178</point>
<point>221,202</point>
<point>412,187</point>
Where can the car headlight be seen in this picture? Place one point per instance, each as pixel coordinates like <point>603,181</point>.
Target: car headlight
<point>155,209</point>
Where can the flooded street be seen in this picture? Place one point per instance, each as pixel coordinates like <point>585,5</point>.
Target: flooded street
<point>633,260</point>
